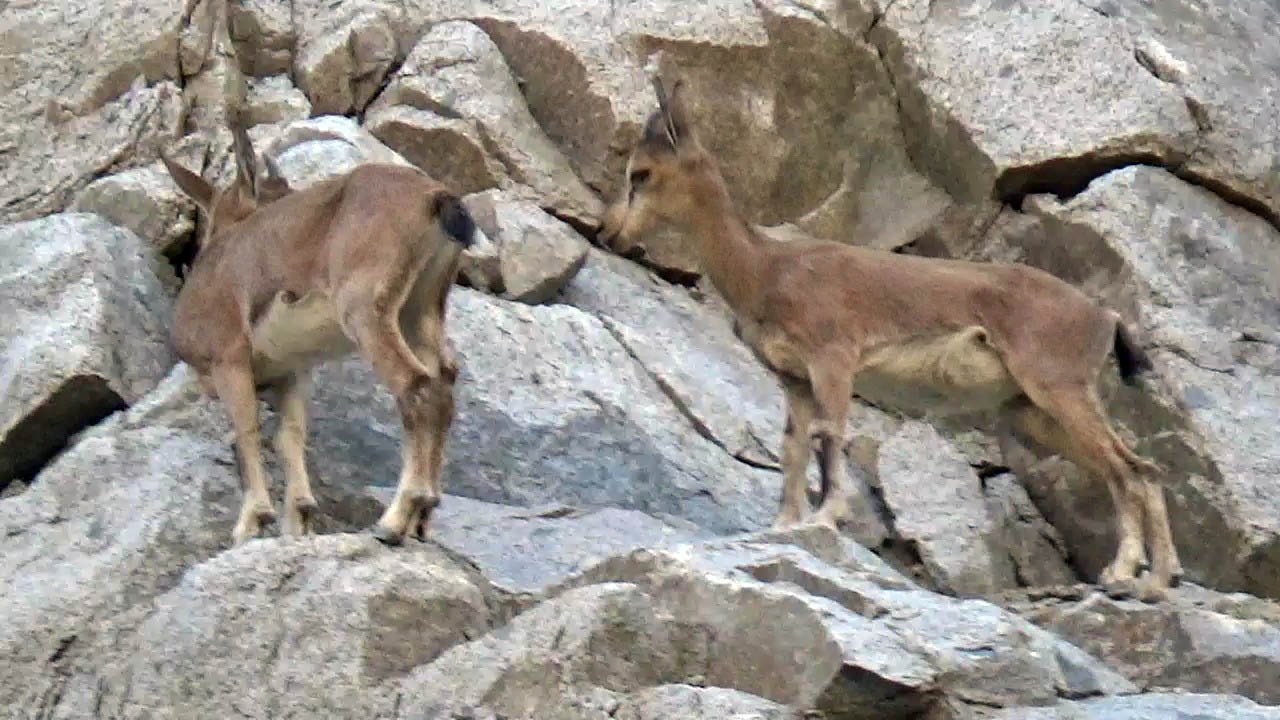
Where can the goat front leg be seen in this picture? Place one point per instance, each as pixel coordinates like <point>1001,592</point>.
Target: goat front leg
<point>795,454</point>
<point>832,383</point>
<point>291,444</point>
<point>233,379</point>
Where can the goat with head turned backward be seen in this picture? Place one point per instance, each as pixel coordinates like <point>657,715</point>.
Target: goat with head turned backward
<point>913,333</point>
<point>283,280</point>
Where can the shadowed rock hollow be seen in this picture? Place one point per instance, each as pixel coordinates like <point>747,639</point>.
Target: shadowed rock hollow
<point>602,551</point>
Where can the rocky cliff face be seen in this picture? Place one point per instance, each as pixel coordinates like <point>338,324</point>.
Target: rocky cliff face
<point>601,553</point>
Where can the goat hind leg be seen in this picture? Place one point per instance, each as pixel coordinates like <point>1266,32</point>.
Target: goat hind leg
<point>1071,421</point>
<point>1166,568</point>
<point>233,380</point>
<point>380,340</point>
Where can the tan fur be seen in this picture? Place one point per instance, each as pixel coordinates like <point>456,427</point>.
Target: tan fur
<point>284,280</point>
<point>913,333</point>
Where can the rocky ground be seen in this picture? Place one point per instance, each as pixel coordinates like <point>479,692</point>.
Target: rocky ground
<point>602,551</point>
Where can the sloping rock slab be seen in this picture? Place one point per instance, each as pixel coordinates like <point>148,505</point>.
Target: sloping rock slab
<point>84,331</point>
<point>114,522</point>
<point>1003,99</point>
<point>848,639</point>
<point>1148,707</point>
<point>1180,644</point>
<point>1200,279</point>
<point>315,627</point>
<point>550,409</point>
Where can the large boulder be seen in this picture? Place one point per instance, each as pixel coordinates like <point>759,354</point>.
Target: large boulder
<point>146,201</point>
<point>1166,706</point>
<point>317,627</point>
<point>579,423</point>
<point>830,627</point>
<point>109,526</point>
<point>1003,99</point>
<point>1199,278</point>
<point>84,331</point>
<point>537,255</point>
<point>1207,53</point>
<point>1198,641</point>
<point>455,110</point>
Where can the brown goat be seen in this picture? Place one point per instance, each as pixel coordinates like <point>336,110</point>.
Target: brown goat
<point>913,333</point>
<point>283,280</point>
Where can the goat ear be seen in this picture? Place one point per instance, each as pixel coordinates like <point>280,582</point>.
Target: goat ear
<point>675,114</point>
<point>246,162</point>
<point>680,119</point>
<point>194,186</point>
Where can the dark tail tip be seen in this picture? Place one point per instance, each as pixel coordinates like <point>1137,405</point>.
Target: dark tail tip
<point>454,218</point>
<point>1130,358</point>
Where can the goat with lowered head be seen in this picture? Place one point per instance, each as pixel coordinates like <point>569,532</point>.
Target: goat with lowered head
<point>283,280</point>
<point>922,334</point>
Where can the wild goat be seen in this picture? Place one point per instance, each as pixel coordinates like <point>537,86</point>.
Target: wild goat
<point>283,280</point>
<point>914,333</point>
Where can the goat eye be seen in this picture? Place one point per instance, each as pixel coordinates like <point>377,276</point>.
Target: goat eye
<point>638,177</point>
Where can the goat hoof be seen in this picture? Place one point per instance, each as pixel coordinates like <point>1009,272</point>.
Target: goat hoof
<point>1120,589</point>
<point>387,536</point>
<point>300,519</point>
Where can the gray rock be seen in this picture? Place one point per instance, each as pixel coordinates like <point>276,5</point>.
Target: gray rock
<point>448,147</point>
<point>566,658</point>
<point>1008,98</point>
<point>455,72</point>
<point>848,642</point>
<point>1168,706</point>
<point>146,201</point>
<point>274,99</point>
<point>264,36</point>
<point>308,151</point>
<point>550,409</point>
<point>1221,60</point>
<point>316,627</point>
<point>48,162</point>
<point>688,347</point>
<point>1035,548</point>
<point>683,702</point>
<point>523,551</point>
<point>537,254</point>
<point>1175,645</point>
<point>71,59</point>
<point>344,52</point>
<point>1196,275</point>
<point>84,331</point>
<point>105,529</point>
<point>937,504</point>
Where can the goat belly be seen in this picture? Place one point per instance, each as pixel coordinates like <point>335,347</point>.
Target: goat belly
<point>293,334</point>
<point>956,372</point>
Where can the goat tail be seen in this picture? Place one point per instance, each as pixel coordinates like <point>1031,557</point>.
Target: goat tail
<point>453,217</point>
<point>1131,359</point>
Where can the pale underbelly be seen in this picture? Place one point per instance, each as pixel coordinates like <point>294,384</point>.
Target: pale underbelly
<point>954,373</point>
<point>958,372</point>
<point>293,336</point>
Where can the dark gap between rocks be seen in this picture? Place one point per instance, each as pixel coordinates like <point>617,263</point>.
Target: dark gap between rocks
<point>1068,177</point>
<point>81,402</point>
<point>1063,177</point>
